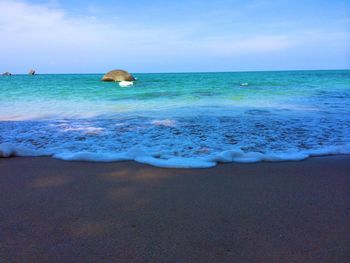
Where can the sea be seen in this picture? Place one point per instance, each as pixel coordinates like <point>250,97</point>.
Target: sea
<point>181,120</point>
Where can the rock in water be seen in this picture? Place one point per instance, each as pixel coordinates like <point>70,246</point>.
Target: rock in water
<point>6,74</point>
<point>31,72</point>
<point>118,75</point>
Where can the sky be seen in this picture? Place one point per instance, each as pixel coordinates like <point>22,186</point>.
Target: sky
<point>62,36</point>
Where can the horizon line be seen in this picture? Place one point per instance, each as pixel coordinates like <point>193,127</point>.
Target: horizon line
<point>186,72</point>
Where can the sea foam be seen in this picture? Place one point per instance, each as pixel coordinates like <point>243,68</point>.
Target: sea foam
<point>238,156</point>
<point>181,142</point>
<point>126,83</point>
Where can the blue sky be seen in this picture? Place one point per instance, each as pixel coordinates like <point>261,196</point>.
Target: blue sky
<point>173,36</point>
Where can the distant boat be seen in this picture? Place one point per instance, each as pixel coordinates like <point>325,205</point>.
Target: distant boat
<point>244,84</point>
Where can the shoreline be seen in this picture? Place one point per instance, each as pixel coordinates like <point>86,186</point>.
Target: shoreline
<point>59,211</point>
<point>7,150</point>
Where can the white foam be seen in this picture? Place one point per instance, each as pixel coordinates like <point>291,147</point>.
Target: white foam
<point>91,157</point>
<point>154,159</point>
<point>176,162</point>
<point>10,150</point>
<point>126,83</point>
<point>165,122</point>
<point>330,150</point>
<point>181,142</point>
<point>288,156</point>
<point>6,150</point>
<point>87,130</point>
<point>251,157</point>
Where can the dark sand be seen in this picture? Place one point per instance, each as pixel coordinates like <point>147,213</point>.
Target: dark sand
<point>56,211</point>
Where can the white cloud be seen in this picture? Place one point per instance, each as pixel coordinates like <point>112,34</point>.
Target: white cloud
<point>250,45</point>
<point>29,25</point>
<point>45,36</point>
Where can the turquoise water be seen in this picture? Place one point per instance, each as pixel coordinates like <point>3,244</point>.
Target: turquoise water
<point>177,120</point>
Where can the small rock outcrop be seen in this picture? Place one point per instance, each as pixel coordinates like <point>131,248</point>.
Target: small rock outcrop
<point>31,72</point>
<point>118,76</point>
<point>6,74</point>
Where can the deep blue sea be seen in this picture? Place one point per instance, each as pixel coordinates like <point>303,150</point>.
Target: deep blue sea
<point>179,119</point>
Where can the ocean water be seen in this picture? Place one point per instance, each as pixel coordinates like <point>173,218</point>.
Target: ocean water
<point>177,120</point>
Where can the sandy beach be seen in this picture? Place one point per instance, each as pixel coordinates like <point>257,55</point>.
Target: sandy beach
<point>56,211</point>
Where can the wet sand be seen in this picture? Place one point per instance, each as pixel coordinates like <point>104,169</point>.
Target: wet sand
<point>56,211</point>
